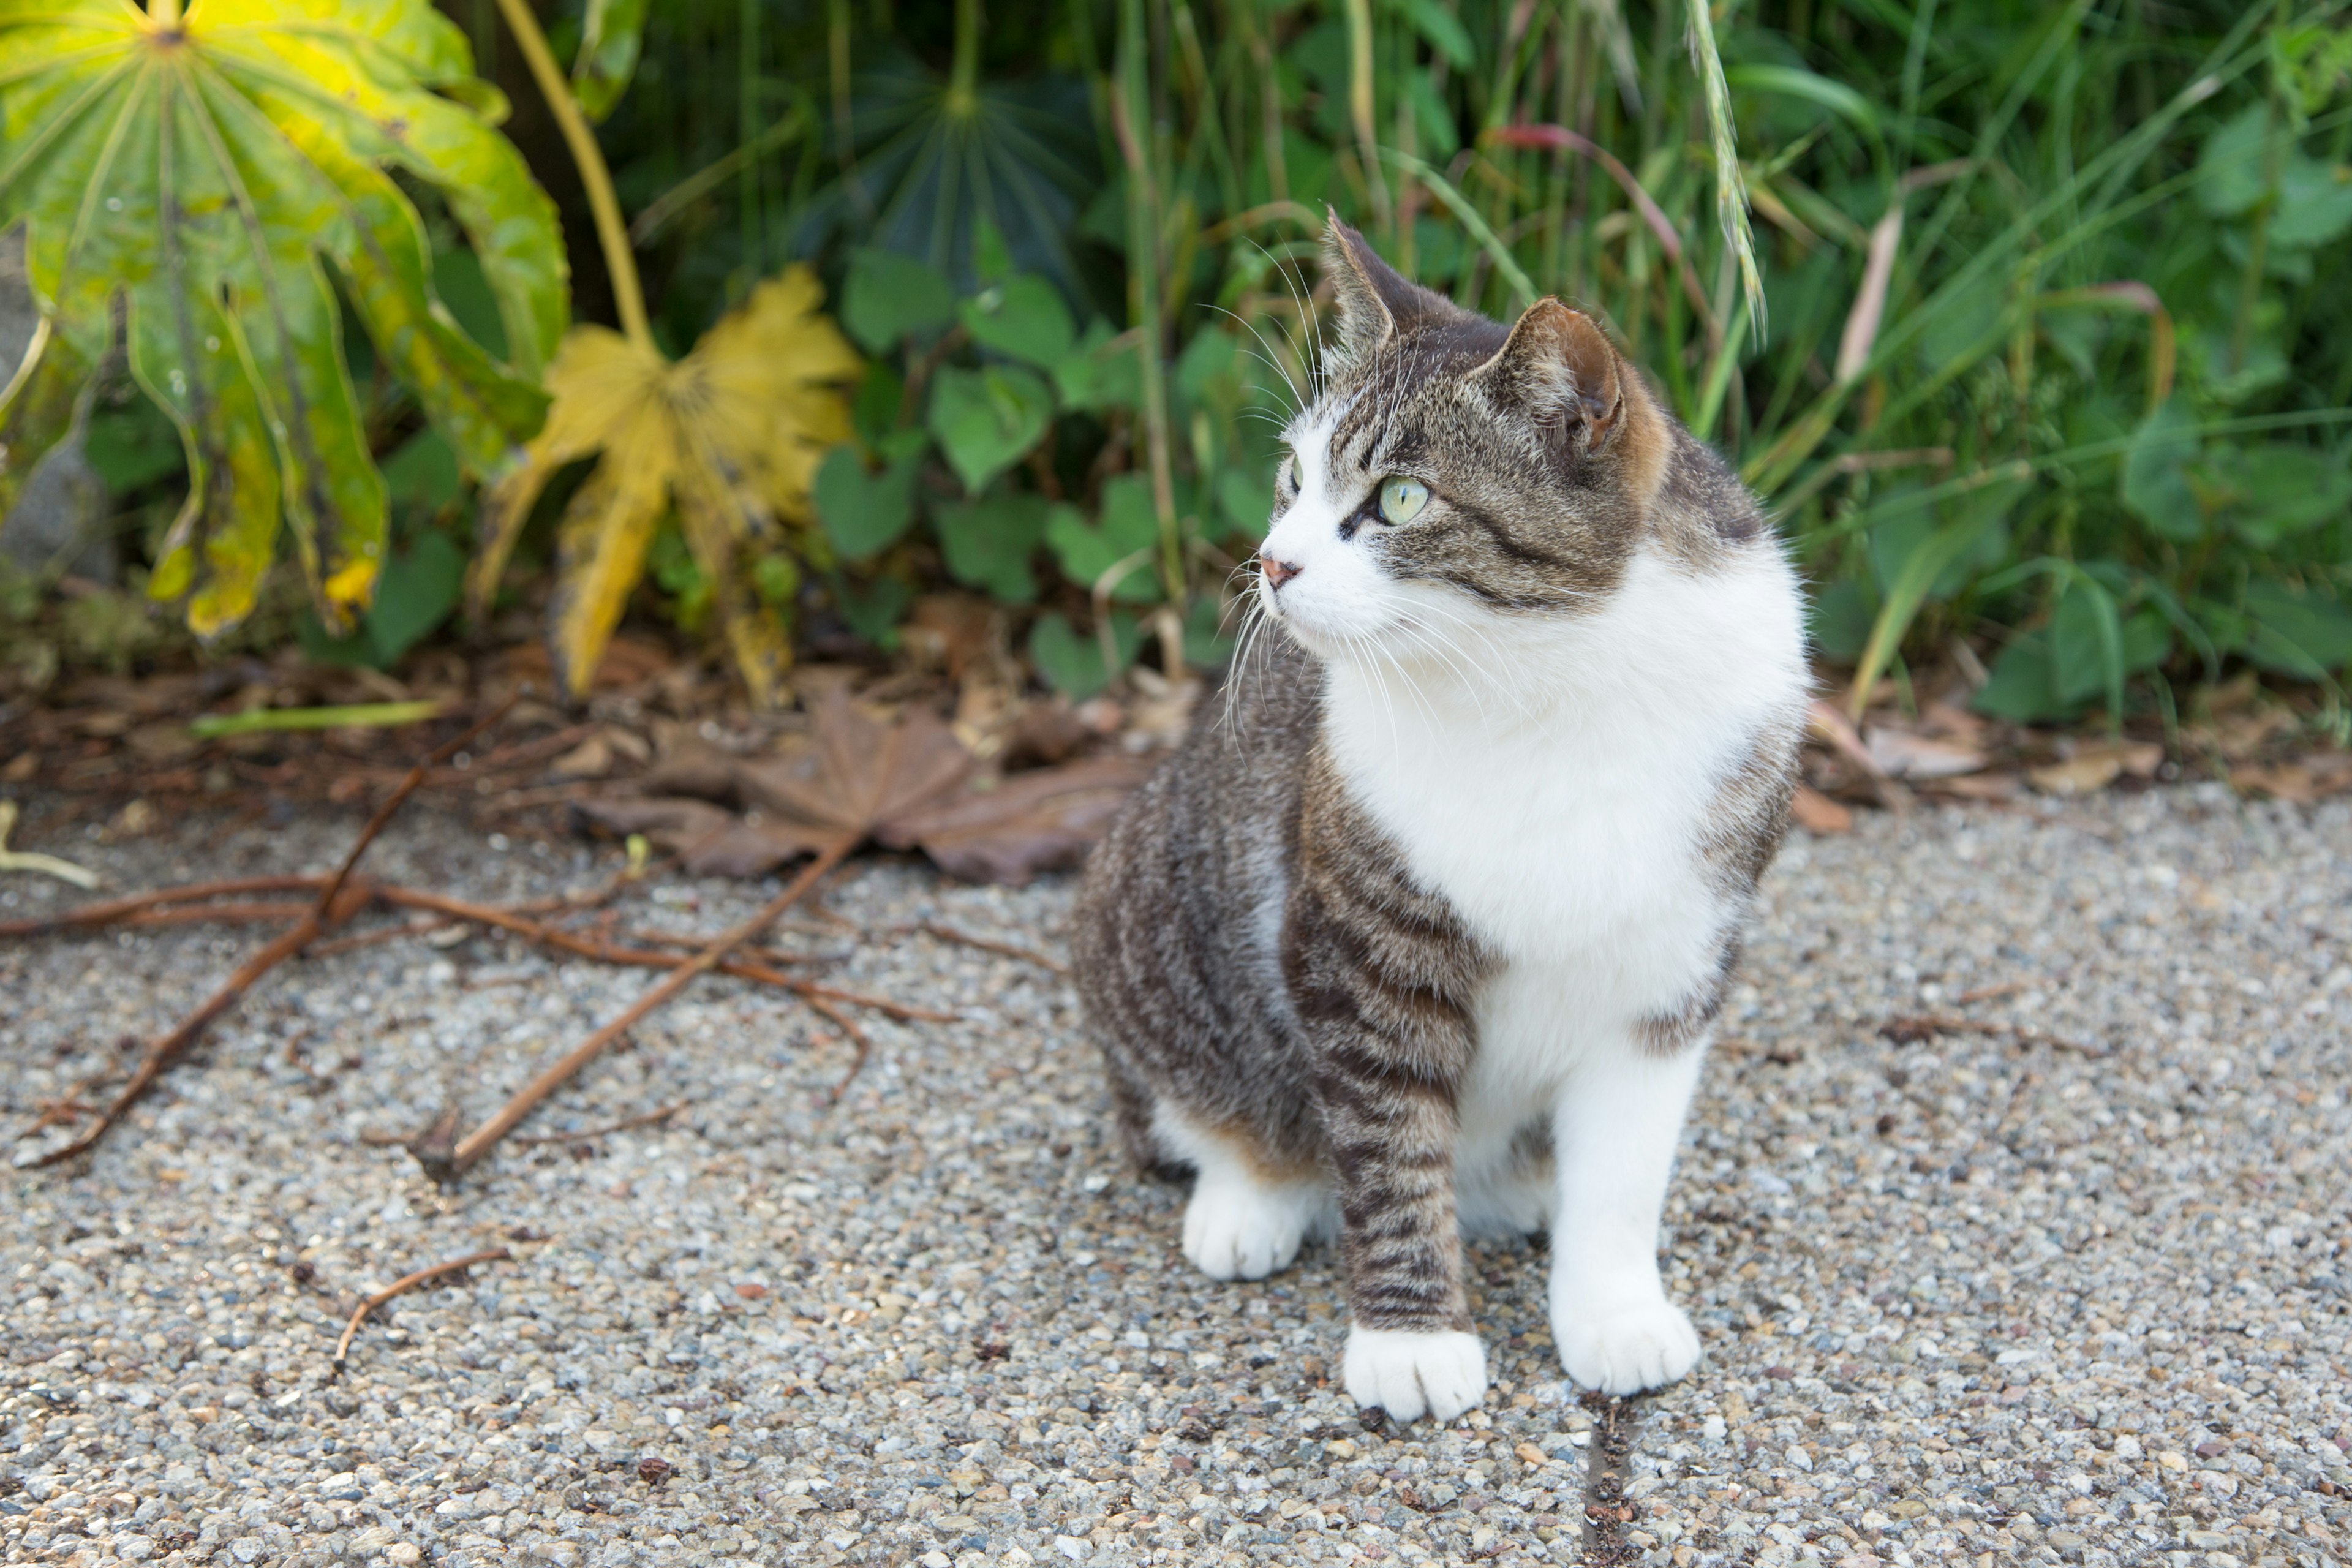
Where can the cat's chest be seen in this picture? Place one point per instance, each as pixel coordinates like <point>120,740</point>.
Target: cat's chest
<point>1547,839</point>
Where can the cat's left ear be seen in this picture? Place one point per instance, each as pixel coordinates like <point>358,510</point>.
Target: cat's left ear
<point>1561,370</point>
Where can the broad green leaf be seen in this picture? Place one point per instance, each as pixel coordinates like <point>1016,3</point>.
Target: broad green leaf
<point>1074,664</point>
<point>418,590</point>
<point>889,298</point>
<point>1022,316</point>
<point>988,543</point>
<point>1841,616</point>
<point>987,419</point>
<point>2298,632</point>
<point>1125,542</point>
<point>133,445</point>
<point>609,37</point>
<point>1209,632</point>
<point>1443,29</point>
<point>2094,648</point>
<point>423,472</point>
<point>1099,373</point>
<point>2022,688</point>
<point>2155,478</point>
<point>873,611</point>
<point>205,176</point>
<point>862,513</point>
<point>2281,491</point>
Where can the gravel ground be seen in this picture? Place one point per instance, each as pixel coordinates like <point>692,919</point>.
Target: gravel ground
<point>1978,1299</point>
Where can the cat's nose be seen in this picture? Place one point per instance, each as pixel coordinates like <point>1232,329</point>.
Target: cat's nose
<point>1278,572</point>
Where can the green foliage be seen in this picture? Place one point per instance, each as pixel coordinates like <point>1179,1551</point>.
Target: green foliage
<point>222,185</point>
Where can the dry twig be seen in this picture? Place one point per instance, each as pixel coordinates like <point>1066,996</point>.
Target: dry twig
<point>1910,1028</point>
<point>947,932</point>
<point>468,1150</point>
<point>624,1125</point>
<point>408,1282</point>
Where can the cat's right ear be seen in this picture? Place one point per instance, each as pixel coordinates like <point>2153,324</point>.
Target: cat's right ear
<point>1373,295</point>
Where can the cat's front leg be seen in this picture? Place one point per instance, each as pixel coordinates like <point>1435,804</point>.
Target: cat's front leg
<point>1614,1131</point>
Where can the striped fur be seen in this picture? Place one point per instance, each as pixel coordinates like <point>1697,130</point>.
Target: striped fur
<point>1430,924</point>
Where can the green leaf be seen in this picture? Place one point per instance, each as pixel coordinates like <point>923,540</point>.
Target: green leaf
<point>2281,491</point>
<point>1793,82</point>
<point>418,590</point>
<point>608,54</point>
<point>1208,641</point>
<point>1841,616</point>
<point>2094,648</point>
<point>2155,478</point>
<point>203,180</point>
<point>132,447</point>
<point>1097,376</point>
<point>1443,29</point>
<point>1022,316</point>
<point>987,419</point>
<point>864,513</point>
<point>1074,665</point>
<point>1125,542</point>
<point>423,472</point>
<point>876,611</point>
<point>2298,632</point>
<point>988,543</point>
<point>2022,688</point>
<point>37,407</point>
<point>889,298</point>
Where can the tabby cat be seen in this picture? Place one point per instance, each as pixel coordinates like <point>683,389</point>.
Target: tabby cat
<point>1427,930</point>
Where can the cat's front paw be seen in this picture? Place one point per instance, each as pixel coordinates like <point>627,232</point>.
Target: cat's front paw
<point>1410,1374</point>
<point>1624,1349</point>
<point>1239,1231</point>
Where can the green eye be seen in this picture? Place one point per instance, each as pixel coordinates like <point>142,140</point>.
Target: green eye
<point>1402,500</point>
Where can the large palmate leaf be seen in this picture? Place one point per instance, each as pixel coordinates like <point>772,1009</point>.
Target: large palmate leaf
<point>217,175</point>
<point>731,435</point>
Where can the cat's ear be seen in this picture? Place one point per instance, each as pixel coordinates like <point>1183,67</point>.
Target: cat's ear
<point>1376,300</point>
<point>1561,369</point>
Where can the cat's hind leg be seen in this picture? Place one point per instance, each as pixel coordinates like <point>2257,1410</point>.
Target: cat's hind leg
<point>1247,1215</point>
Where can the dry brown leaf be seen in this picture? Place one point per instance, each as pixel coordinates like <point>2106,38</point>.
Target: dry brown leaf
<point>1978,786</point>
<point>2301,783</point>
<point>1818,814</point>
<point>1902,754</point>
<point>2094,767</point>
<point>901,783</point>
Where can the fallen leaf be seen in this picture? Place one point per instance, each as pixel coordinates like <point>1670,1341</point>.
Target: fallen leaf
<point>591,759</point>
<point>901,783</point>
<point>2077,775</point>
<point>2301,783</point>
<point>1819,815</point>
<point>1902,754</point>
<point>1978,786</point>
<point>1824,723</point>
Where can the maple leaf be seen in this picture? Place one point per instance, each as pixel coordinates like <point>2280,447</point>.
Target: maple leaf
<point>731,435</point>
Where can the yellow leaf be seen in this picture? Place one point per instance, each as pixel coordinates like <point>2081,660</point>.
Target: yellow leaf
<point>731,436</point>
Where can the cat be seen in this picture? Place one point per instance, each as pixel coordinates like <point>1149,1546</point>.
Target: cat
<point>1427,932</point>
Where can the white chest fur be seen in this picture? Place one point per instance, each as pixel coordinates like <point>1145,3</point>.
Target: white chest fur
<point>1553,778</point>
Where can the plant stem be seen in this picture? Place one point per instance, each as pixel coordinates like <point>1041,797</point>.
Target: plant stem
<point>1127,99</point>
<point>164,14</point>
<point>963,77</point>
<point>612,235</point>
<point>1360,110</point>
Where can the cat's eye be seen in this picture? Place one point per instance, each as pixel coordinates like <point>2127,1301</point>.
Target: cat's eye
<point>1401,499</point>
<point>1292,475</point>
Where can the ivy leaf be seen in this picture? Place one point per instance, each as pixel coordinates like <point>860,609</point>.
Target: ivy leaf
<point>731,435</point>
<point>889,298</point>
<point>1022,316</point>
<point>864,513</point>
<point>1125,542</point>
<point>988,543</point>
<point>204,173</point>
<point>1074,664</point>
<point>609,38</point>
<point>987,419</point>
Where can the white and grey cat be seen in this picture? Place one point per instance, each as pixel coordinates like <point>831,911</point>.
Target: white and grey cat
<point>1428,931</point>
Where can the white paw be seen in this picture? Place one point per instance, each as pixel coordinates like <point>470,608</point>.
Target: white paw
<point>1411,1374</point>
<point>1238,1230</point>
<point>1624,1349</point>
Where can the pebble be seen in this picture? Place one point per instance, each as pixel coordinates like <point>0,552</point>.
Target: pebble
<point>1973,1299</point>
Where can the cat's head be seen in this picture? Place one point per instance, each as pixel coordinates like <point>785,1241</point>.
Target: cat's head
<point>1453,470</point>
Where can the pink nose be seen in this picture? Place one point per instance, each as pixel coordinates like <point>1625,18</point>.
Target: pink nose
<point>1278,572</point>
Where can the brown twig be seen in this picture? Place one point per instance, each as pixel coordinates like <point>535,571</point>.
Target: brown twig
<point>947,932</point>
<point>372,938</point>
<point>399,797</point>
<point>1988,992</point>
<point>857,1039</point>
<point>199,914</point>
<point>409,1282</point>
<point>476,1144</point>
<point>646,958</point>
<point>1910,1028</point>
<point>647,1120</point>
<point>114,911</point>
